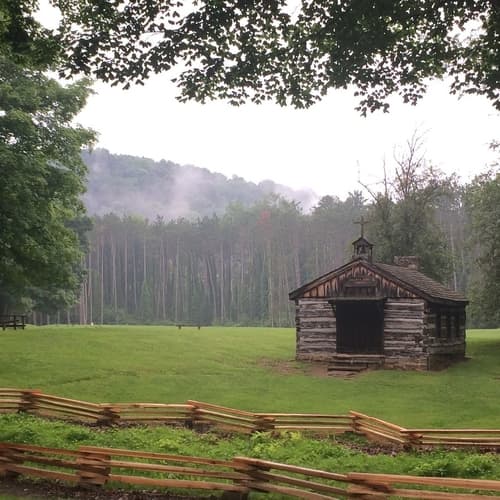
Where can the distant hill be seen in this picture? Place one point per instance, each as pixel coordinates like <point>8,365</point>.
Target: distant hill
<point>127,185</point>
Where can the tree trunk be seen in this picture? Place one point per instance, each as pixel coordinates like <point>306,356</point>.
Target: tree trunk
<point>102,279</point>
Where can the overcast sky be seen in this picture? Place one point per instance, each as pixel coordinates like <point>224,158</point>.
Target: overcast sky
<point>322,148</point>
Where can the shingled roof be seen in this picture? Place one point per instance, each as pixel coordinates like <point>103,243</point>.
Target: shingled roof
<point>413,280</point>
<point>421,282</point>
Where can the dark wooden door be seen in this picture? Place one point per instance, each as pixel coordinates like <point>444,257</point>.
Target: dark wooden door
<point>360,327</point>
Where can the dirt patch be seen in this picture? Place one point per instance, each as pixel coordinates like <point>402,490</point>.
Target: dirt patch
<point>36,490</point>
<point>282,367</point>
<point>294,367</point>
<point>318,369</point>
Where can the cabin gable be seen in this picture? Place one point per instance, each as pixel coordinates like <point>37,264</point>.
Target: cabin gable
<point>356,279</point>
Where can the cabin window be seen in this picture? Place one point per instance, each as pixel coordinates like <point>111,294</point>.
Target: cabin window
<point>444,325</point>
<point>438,323</point>
<point>457,324</point>
<point>448,325</point>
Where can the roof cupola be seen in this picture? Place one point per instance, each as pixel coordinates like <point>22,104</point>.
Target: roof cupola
<point>363,249</point>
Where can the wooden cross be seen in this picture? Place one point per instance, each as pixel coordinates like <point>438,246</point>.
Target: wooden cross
<point>362,221</point>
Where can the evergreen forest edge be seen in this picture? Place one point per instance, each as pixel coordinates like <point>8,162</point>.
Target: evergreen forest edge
<point>237,265</point>
<point>46,259</point>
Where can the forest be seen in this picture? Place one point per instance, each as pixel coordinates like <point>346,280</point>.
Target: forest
<point>238,265</point>
<point>234,251</point>
<point>170,190</point>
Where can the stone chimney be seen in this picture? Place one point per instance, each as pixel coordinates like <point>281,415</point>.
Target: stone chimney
<point>409,261</point>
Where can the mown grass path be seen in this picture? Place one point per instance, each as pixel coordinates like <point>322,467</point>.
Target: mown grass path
<point>232,366</point>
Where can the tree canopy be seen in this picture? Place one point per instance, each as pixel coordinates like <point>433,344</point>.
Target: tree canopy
<point>23,40</point>
<point>403,212</point>
<point>237,267</point>
<point>289,52</point>
<point>41,215</point>
<point>483,206</point>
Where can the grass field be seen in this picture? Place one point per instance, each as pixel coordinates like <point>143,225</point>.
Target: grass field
<point>246,368</point>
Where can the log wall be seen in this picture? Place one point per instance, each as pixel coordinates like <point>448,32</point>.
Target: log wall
<point>414,337</point>
<point>404,342</point>
<point>316,329</point>
<point>403,332</point>
<point>444,329</point>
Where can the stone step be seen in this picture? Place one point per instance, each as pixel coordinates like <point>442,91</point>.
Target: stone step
<point>355,363</point>
<point>346,362</point>
<point>364,357</point>
<point>346,368</point>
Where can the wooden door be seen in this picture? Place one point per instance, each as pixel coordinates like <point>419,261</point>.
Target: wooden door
<point>360,327</point>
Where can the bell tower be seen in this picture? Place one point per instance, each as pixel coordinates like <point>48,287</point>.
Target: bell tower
<point>362,248</point>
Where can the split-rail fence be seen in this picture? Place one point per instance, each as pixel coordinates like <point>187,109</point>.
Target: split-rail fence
<point>93,467</point>
<point>198,414</point>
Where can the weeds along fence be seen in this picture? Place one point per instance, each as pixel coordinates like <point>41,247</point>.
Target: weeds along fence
<point>243,421</point>
<point>92,466</point>
<point>95,467</point>
<point>189,414</point>
<point>199,414</point>
<point>380,430</point>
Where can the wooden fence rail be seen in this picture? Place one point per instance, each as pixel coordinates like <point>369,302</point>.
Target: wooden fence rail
<point>379,430</point>
<point>393,485</point>
<point>196,413</point>
<point>300,482</point>
<point>317,422</point>
<point>151,412</point>
<point>228,419</point>
<point>90,466</point>
<point>483,438</point>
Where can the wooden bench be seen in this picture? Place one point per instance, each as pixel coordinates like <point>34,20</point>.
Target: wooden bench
<point>192,325</point>
<point>12,321</point>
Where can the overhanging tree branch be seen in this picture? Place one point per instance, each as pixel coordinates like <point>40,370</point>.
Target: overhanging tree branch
<point>260,50</point>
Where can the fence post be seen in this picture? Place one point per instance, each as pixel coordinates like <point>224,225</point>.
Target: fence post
<point>93,468</point>
<point>264,423</point>
<point>244,466</point>
<point>413,438</point>
<point>7,458</point>
<point>108,415</point>
<point>197,423</point>
<point>28,401</point>
<point>194,416</point>
<point>365,488</point>
<point>190,419</point>
<point>355,422</point>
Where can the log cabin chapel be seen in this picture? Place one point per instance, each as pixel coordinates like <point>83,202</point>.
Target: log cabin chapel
<point>369,314</point>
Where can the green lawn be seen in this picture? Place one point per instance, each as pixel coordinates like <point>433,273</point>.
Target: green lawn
<point>292,448</point>
<point>231,366</point>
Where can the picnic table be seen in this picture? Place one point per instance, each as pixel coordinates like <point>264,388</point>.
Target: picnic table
<point>12,321</point>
